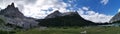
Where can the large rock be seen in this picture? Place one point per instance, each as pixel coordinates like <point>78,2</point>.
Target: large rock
<point>13,16</point>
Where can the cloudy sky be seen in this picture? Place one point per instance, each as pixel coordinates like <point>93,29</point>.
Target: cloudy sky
<point>93,10</point>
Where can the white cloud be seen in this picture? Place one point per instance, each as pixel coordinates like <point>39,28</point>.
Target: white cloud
<point>41,5</point>
<point>104,2</point>
<point>118,10</point>
<point>35,8</point>
<point>85,8</point>
<point>4,3</point>
<point>72,1</point>
<point>94,16</point>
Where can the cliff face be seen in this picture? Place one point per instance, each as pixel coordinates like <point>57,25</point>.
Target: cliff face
<point>13,16</point>
<point>115,18</point>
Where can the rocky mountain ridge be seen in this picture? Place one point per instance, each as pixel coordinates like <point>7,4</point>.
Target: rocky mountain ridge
<point>13,16</point>
<point>64,19</point>
<point>115,18</point>
<point>59,14</point>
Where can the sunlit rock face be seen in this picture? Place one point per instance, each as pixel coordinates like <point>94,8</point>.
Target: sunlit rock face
<point>115,18</point>
<point>13,16</point>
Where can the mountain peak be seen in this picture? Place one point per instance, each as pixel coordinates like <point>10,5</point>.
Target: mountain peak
<point>65,19</point>
<point>11,6</point>
<point>11,11</point>
<point>57,11</point>
<point>59,14</point>
<point>54,14</point>
<point>14,17</point>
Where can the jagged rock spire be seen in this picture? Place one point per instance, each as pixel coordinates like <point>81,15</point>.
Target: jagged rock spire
<point>11,11</point>
<point>13,16</point>
<point>12,4</point>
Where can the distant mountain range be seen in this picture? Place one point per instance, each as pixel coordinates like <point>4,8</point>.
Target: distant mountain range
<point>14,18</point>
<point>64,19</point>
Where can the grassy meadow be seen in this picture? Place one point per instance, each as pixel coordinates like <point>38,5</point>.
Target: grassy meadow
<point>73,30</point>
